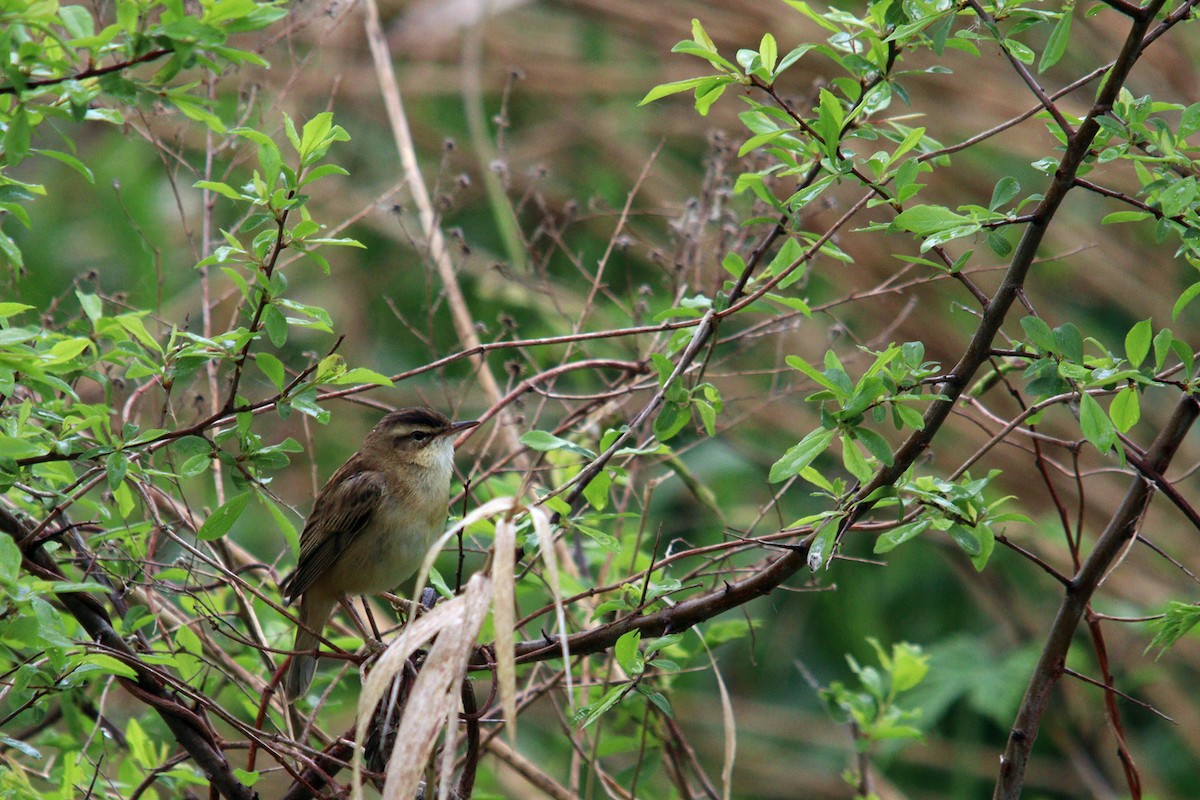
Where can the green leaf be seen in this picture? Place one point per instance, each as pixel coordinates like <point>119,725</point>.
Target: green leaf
<point>664,89</point>
<point>1125,410</point>
<point>1056,45</point>
<point>244,777</point>
<point>672,418</point>
<point>102,662</point>
<point>1125,216</point>
<point>830,116</point>
<point>1189,121</point>
<point>93,306</point>
<point>14,447</point>
<point>1039,335</point>
<point>276,325</point>
<point>223,189</point>
<point>10,560</point>
<point>768,53</point>
<point>589,714</point>
<point>1006,189</point>
<point>1069,342</point>
<point>876,445</point>
<point>801,455</point>
<point>12,309</point>
<point>798,363</point>
<point>1095,424</point>
<point>966,538</point>
<point>220,521</point>
<point>1019,50</point>
<point>899,535</point>
<point>545,441</point>
<point>272,367</point>
<point>1188,295</point>
<point>596,492</point>
<point>924,220</point>
<point>1137,343</point>
<point>71,161</point>
<point>853,460</point>
<point>1179,619</point>
<point>628,655</point>
<point>17,136</point>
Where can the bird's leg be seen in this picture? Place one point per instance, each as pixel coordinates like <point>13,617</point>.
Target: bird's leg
<point>373,643</point>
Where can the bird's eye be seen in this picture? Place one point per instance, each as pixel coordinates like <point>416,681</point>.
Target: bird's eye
<point>419,436</point>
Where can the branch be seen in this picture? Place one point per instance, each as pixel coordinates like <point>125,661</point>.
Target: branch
<point>94,72</point>
<point>980,347</point>
<point>192,734</point>
<point>1120,530</point>
<point>679,617</point>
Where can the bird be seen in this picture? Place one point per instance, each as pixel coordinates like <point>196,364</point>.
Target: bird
<point>371,524</point>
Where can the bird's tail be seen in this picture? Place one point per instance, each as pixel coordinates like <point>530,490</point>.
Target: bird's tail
<point>314,613</point>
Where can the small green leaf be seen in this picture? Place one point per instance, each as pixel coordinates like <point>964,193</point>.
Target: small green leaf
<point>628,655</point>
<point>1125,409</point>
<point>853,460</point>
<point>1179,619</point>
<point>272,367</point>
<point>12,309</point>
<point>899,535</point>
<point>1125,216</point>
<point>1137,343</point>
<point>1095,424</point>
<point>596,492</point>
<point>801,455</point>
<point>589,714</point>
<point>965,538</point>
<point>664,89</point>
<point>1039,335</point>
<point>223,189</point>
<point>102,662</point>
<point>672,418</point>
<point>1006,189</point>
<point>768,53</point>
<point>545,441</point>
<point>276,325</point>
<point>363,375</point>
<point>14,447</point>
<point>1056,45</point>
<point>1189,294</point>
<point>220,521</point>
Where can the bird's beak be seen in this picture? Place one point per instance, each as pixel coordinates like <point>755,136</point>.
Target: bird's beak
<point>456,427</point>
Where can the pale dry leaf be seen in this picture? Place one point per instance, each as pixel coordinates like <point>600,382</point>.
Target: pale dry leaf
<point>504,616</point>
<point>541,524</point>
<point>435,694</point>
<point>416,633</point>
<point>389,665</point>
<point>449,740</point>
<point>727,722</point>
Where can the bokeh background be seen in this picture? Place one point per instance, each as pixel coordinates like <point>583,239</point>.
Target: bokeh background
<point>536,102</point>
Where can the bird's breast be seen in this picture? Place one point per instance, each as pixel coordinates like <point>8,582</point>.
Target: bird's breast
<point>393,544</point>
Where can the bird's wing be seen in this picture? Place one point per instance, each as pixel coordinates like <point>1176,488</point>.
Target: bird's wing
<point>342,509</point>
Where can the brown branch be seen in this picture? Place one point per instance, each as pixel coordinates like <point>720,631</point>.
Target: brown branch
<point>190,731</point>
<point>1122,527</point>
<point>94,72</point>
<point>679,617</point>
<point>980,346</point>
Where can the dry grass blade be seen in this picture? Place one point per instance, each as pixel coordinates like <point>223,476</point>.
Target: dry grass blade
<point>727,723</point>
<point>545,534</point>
<point>390,664</point>
<point>434,697</point>
<point>435,694</point>
<point>504,616</point>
